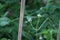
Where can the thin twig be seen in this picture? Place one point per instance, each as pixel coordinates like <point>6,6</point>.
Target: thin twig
<point>21,19</point>
<point>43,23</point>
<point>58,35</point>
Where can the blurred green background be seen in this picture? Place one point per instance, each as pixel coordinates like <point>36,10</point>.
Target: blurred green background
<point>41,19</point>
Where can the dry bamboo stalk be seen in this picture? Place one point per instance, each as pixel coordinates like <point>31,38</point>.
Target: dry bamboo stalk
<point>21,19</point>
<point>58,35</point>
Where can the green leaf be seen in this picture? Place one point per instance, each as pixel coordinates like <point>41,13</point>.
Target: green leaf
<point>1,6</point>
<point>4,21</point>
<point>4,39</point>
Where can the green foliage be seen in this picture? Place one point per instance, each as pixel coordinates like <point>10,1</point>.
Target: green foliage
<point>40,22</point>
<point>41,19</point>
<point>4,21</point>
<point>3,39</point>
<point>9,19</point>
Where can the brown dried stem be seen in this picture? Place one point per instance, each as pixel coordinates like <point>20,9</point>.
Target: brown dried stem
<point>21,19</point>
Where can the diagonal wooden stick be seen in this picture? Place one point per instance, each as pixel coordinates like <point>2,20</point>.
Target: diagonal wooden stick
<point>58,35</point>
<point>21,19</point>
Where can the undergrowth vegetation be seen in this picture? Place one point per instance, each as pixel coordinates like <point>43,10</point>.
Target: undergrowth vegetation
<point>41,19</point>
